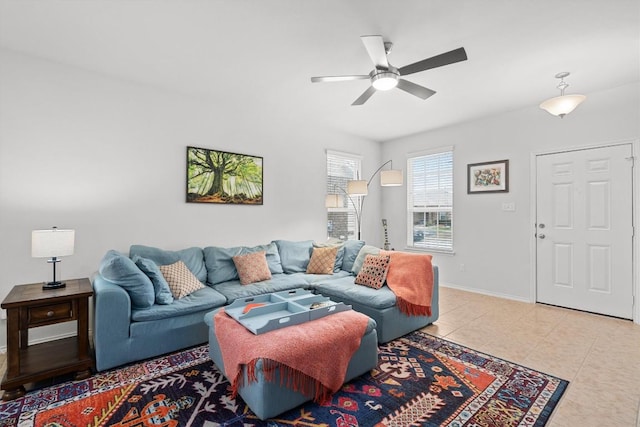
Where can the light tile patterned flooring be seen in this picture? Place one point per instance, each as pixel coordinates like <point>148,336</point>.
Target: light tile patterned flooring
<point>600,356</point>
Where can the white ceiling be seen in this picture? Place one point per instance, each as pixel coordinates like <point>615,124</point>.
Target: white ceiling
<point>257,56</point>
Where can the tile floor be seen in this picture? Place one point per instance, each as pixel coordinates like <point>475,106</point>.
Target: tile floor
<point>600,356</point>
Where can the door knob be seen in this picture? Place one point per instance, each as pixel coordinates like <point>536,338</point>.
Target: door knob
<point>541,236</point>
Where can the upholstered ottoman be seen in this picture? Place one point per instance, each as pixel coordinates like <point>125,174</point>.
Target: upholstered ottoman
<point>263,392</point>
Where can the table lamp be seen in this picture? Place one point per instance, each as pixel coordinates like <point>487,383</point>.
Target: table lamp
<point>52,243</point>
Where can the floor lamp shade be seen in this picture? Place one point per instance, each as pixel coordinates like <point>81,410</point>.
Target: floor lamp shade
<point>357,188</point>
<point>333,201</point>
<point>52,243</point>
<point>391,178</point>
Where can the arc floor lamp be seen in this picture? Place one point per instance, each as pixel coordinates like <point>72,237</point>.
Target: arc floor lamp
<point>360,188</point>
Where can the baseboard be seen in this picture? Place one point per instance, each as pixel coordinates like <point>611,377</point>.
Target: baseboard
<point>484,292</point>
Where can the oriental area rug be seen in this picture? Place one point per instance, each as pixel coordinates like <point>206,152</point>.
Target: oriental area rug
<point>420,380</point>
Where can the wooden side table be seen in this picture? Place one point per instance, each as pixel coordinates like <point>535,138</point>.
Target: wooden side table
<point>29,306</point>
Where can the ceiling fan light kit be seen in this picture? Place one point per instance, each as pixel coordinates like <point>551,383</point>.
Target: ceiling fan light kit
<point>562,105</point>
<point>386,77</point>
<point>384,80</point>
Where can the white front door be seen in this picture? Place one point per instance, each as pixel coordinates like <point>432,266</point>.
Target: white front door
<point>584,230</point>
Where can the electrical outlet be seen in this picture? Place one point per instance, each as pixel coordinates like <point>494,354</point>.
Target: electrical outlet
<point>3,314</point>
<point>461,267</point>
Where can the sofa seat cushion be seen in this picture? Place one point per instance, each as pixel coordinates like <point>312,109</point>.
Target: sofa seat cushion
<point>192,257</point>
<point>345,288</point>
<point>202,299</point>
<point>313,278</point>
<point>233,289</point>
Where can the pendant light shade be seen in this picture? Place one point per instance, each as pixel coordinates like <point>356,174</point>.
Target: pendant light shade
<point>564,104</point>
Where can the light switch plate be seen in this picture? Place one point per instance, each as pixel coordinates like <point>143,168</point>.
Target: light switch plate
<point>509,206</point>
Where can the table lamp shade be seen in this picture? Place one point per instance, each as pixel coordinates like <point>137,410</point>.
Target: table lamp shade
<point>52,243</point>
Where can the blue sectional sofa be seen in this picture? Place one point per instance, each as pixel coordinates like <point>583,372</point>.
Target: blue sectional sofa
<point>131,325</point>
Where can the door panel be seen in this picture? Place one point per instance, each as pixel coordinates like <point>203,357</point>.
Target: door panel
<point>585,230</point>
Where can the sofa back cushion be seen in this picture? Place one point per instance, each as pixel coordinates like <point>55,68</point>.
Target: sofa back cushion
<point>294,256</point>
<point>351,250</point>
<point>160,285</point>
<point>119,269</point>
<point>362,254</point>
<point>192,257</point>
<point>220,266</point>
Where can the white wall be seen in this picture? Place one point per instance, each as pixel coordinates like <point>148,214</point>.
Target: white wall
<point>106,157</point>
<point>493,245</point>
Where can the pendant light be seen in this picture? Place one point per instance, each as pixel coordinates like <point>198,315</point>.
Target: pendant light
<point>563,104</point>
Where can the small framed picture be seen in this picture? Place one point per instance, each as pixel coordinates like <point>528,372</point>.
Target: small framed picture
<point>488,177</point>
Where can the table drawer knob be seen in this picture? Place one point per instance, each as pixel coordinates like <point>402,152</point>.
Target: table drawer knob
<point>50,313</point>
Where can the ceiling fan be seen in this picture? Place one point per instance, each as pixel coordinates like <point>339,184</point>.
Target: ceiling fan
<point>385,76</point>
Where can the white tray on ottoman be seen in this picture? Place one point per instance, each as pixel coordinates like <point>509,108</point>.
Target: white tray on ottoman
<point>282,309</point>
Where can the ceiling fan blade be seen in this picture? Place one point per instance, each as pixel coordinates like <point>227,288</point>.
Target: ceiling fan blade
<point>414,89</point>
<point>446,58</point>
<point>376,51</point>
<point>338,78</point>
<point>366,95</point>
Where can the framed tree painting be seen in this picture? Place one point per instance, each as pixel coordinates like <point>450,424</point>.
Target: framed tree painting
<point>488,177</point>
<point>215,176</point>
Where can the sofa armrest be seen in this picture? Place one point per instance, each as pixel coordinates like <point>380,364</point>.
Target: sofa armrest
<point>112,314</point>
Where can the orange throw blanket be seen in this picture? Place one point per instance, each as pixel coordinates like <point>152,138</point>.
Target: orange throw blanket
<point>312,357</point>
<point>410,277</point>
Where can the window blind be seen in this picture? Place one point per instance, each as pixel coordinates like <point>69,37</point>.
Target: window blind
<point>430,201</point>
<point>341,167</point>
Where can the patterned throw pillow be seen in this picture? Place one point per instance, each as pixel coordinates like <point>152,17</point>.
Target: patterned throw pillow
<point>322,260</point>
<point>252,267</point>
<point>181,280</point>
<point>374,271</point>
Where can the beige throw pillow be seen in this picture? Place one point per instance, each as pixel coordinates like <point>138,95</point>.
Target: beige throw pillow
<point>181,280</point>
<point>322,260</point>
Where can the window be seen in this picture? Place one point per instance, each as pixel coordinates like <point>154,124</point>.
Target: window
<point>341,221</point>
<point>430,201</point>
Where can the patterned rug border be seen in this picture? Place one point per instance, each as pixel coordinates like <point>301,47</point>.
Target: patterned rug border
<point>559,386</point>
<point>482,353</point>
<point>48,397</point>
<point>537,415</point>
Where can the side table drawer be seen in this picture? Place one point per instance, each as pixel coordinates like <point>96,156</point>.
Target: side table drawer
<point>50,313</point>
